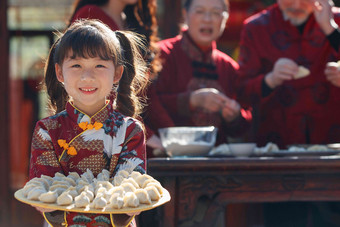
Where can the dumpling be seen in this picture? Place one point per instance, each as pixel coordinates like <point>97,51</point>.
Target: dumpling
<point>132,181</point>
<point>99,202</point>
<point>158,186</point>
<point>101,190</point>
<point>35,193</point>
<point>88,193</point>
<point>143,196</point>
<point>74,175</point>
<point>153,193</point>
<point>70,181</point>
<point>149,181</point>
<point>130,200</point>
<point>119,190</point>
<point>61,182</point>
<point>135,174</point>
<point>58,176</point>
<point>81,200</point>
<point>87,176</point>
<point>123,173</point>
<point>107,185</point>
<point>72,191</point>
<point>116,201</point>
<point>117,180</point>
<point>39,181</point>
<point>104,175</point>
<point>30,187</point>
<point>141,179</point>
<point>128,187</point>
<point>47,178</point>
<point>65,199</point>
<point>49,197</point>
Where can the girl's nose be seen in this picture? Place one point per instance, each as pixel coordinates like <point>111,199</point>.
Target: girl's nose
<point>87,75</point>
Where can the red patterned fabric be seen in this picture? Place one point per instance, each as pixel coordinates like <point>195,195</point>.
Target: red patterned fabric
<point>187,68</point>
<point>299,111</point>
<point>96,149</point>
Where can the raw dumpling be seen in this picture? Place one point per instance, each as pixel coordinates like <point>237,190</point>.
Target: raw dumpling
<point>88,193</point>
<point>141,179</point>
<point>49,197</point>
<point>47,178</point>
<point>29,187</point>
<point>74,175</point>
<point>107,185</point>
<point>143,196</point>
<point>135,174</point>
<point>58,176</point>
<point>88,176</point>
<point>117,180</point>
<point>153,193</point>
<point>82,200</point>
<point>116,201</point>
<point>65,199</point>
<point>104,175</point>
<point>72,191</point>
<point>35,193</point>
<point>132,181</point>
<point>130,200</point>
<point>119,190</point>
<point>128,187</point>
<point>156,185</point>
<point>99,202</point>
<point>123,173</point>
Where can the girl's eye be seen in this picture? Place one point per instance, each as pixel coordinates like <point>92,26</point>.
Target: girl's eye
<point>100,66</point>
<point>75,66</point>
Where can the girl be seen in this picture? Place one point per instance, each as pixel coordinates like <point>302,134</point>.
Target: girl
<point>88,131</point>
<point>136,15</point>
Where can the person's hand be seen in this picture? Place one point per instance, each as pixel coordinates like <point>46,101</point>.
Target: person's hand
<point>209,99</point>
<point>43,210</point>
<point>230,110</point>
<point>284,69</point>
<point>324,16</point>
<point>156,144</point>
<point>332,72</point>
<point>133,214</point>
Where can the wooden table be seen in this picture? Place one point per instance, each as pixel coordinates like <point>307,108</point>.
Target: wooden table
<point>202,187</point>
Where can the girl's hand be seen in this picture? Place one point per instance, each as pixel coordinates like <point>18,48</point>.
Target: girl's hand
<point>209,99</point>
<point>43,210</point>
<point>332,72</point>
<point>284,69</point>
<point>133,214</point>
<point>324,15</point>
<point>231,110</point>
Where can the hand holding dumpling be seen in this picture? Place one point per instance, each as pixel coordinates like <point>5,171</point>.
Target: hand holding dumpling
<point>332,72</point>
<point>231,110</point>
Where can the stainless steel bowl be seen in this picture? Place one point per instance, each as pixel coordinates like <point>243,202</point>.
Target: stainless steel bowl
<point>188,141</point>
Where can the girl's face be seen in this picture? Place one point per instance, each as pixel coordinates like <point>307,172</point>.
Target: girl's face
<point>206,20</point>
<point>88,81</point>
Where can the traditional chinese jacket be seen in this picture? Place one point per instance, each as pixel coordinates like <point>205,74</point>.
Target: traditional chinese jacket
<point>72,141</point>
<point>299,111</point>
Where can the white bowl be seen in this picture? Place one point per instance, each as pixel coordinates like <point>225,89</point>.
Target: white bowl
<point>242,149</point>
<point>188,141</point>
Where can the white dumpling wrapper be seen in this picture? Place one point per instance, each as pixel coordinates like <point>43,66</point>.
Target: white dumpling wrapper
<point>153,193</point>
<point>132,181</point>
<point>116,201</point>
<point>99,202</point>
<point>141,179</point>
<point>130,200</point>
<point>65,199</point>
<point>128,187</point>
<point>143,196</point>
<point>35,193</point>
<point>81,200</point>
<point>49,197</point>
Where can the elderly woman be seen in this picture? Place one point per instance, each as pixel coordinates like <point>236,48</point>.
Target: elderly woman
<point>196,84</point>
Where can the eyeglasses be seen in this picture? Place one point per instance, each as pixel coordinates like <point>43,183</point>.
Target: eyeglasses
<point>213,14</point>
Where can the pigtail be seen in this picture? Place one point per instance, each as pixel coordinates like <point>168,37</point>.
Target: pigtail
<point>55,90</point>
<point>133,82</point>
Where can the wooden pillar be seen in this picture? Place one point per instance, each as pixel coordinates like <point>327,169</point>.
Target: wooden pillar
<point>4,120</point>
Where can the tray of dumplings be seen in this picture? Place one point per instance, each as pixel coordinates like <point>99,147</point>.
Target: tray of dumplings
<point>125,193</point>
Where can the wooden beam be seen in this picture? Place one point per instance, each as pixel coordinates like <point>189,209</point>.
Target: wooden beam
<point>4,117</point>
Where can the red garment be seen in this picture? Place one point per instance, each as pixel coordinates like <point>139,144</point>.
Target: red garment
<point>299,111</point>
<point>95,12</point>
<point>186,68</point>
<point>118,141</point>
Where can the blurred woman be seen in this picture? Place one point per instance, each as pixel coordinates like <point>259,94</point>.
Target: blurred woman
<point>196,84</point>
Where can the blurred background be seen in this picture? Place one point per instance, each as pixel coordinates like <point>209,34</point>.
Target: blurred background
<point>27,30</point>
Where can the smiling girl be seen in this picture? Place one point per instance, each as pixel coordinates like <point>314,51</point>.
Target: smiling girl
<point>88,131</point>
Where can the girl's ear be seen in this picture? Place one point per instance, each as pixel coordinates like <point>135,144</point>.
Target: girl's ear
<point>118,74</point>
<point>59,73</point>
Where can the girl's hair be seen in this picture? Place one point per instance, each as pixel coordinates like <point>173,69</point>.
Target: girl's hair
<point>188,3</point>
<point>140,18</point>
<point>89,39</point>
